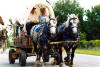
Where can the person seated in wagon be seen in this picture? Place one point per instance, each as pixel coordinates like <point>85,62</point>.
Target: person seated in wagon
<point>44,17</point>
<point>34,19</point>
<point>31,20</point>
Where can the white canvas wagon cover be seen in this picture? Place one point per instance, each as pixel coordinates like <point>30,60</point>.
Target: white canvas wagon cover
<point>49,9</point>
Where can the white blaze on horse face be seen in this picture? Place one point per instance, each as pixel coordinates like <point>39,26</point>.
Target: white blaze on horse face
<point>74,27</point>
<point>53,26</point>
<point>74,22</point>
<point>53,30</point>
<point>74,30</point>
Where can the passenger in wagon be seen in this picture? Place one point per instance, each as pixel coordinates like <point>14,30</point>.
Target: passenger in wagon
<point>32,20</point>
<point>43,17</point>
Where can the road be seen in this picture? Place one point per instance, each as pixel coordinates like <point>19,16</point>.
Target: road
<point>80,60</point>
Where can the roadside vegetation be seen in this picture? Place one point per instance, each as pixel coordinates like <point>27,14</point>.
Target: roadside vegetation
<point>88,51</point>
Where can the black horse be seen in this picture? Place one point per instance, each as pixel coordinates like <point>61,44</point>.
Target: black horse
<point>66,32</point>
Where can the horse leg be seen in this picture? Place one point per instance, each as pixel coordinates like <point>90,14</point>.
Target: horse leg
<point>39,53</point>
<point>38,59</point>
<point>61,60</point>
<point>3,45</point>
<point>67,59</point>
<point>72,54</point>
<point>67,49</point>
<point>6,44</point>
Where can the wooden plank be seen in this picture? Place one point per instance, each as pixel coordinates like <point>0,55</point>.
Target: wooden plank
<point>60,42</point>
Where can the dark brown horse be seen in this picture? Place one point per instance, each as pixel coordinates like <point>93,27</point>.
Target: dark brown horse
<point>3,38</point>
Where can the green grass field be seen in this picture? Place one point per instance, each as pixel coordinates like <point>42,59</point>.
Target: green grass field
<point>88,51</point>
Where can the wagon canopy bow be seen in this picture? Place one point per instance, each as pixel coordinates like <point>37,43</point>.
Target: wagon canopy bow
<point>49,9</point>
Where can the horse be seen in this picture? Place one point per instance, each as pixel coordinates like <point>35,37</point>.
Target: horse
<point>3,38</point>
<point>65,32</point>
<point>41,34</point>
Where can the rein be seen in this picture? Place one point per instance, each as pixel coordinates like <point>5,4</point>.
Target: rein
<point>44,35</point>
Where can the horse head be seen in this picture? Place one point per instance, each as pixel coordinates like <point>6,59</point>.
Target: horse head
<point>52,27</point>
<point>73,22</point>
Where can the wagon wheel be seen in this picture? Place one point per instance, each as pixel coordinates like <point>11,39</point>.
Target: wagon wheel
<point>22,58</point>
<point>11,60</point>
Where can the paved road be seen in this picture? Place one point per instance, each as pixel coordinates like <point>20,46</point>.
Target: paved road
<point>80,60</point>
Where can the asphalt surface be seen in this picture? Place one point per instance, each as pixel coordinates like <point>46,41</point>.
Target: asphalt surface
<point>80,60</point>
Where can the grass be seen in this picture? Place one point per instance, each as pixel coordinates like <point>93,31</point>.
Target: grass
<point>88,51</point>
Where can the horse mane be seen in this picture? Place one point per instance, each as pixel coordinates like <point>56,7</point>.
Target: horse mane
<point>67,22</point>
<point>69,17</point>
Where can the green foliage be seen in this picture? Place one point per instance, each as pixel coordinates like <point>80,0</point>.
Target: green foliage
<point>92,25</point>
<point>89,51</point>
<point>95,42</point>
<point>64,7</point>
<point>9,43</point>
<point>86,44</point>
<point>13,27</point>
<point>83,44</point>
<point>82,36</point>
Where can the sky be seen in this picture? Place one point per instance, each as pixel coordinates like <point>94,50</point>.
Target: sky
<point>87,4</point>
<point>18,8</point>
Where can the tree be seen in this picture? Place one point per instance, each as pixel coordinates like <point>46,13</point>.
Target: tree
<point>64,7</point>
<point>82,36</point>
<point>13,27</point>
<point>92,25</point>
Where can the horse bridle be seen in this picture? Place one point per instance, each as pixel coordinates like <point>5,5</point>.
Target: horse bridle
<point>50,20</point>
<point>48,37</point>
<point>72,19</point>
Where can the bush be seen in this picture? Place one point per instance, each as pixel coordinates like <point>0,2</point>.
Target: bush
<point>96,43</point>
<point>9,43</point>
<point>89,44</point>
<point>82,36</point>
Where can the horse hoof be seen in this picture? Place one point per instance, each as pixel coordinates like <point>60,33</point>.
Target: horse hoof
<point>71,66</point>
<point>53,62</point>
<point>43,65</point>
<point>67,63</point>
<point>61,65</point>
<point>38,62</point>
